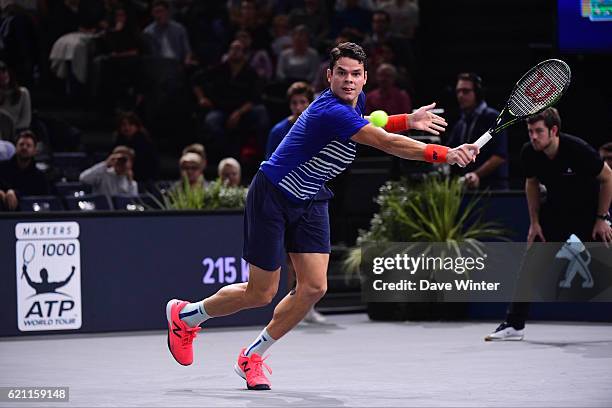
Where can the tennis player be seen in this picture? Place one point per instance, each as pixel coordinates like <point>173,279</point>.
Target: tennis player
<point>286,209</point>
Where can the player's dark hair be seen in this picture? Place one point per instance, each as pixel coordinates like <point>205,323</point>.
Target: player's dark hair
<point>550,116</point>
<point>476,81</point>
<point>348,50</point>
<point>301,88</point>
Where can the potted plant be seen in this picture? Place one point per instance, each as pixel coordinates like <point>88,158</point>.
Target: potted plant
<point>430,211</point>
<point>215,196</point>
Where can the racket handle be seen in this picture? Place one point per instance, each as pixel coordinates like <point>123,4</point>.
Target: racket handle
<point>482,140</point>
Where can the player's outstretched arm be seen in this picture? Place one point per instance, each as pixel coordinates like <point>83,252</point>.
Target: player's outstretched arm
<point>408,148</point>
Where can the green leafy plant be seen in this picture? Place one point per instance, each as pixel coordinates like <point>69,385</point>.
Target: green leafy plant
<point>212,197</point>
<point>430,211</point>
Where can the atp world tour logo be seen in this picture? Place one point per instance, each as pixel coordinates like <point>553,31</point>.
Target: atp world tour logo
<point>48,265</point>
<point>579,259</point>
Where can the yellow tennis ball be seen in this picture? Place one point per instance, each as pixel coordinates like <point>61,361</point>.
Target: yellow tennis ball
<point>379,118</point>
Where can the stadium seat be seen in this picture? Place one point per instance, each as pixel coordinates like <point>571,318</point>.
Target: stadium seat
<point>40,203</point>
<point>129,203</point>
<point>71,164</point>
<point>72,188</point>
<point>88,202</point>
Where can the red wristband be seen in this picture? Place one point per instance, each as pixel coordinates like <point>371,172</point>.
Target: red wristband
<point>397,123</point>
<point>434,153</point>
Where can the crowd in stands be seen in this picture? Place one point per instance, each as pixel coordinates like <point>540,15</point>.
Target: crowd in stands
<point>209,75</point>
<point>225,78</point>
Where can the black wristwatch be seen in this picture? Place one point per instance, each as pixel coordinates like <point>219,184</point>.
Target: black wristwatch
<point>605,217</point>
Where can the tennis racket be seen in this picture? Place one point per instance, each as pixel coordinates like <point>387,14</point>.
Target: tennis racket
<point>28,254</point>
<point>540,88</point>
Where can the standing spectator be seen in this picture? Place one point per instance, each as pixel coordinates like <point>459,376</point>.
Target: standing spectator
<point>19,175</point>
<point>131,133</point>
<point>490,170</point>
<point>114,176</point>
<point>19,43</point>
<point>300,95</point>
<point>122,39</point>
<point>15,104</point>
<point>229,96</point>
<point>230,172</point>
<point>119,69</point>
<point>300,62</point>
<point>315,17</point>
<point>387,96</point>
<point>168,38</point>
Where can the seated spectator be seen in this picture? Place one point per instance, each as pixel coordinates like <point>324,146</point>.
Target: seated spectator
<point>14,103</point>
<point>387,96</point>
<point>199,149</point>
<point>230,98</point>
<point>314,16</point>
<point>167,38</point>
<point>230,172</point>
<point>114,176</point>
<point>259,60</point>
<point>131,133</point>
<point>192,167</point>
<point>281,35</point>
<point>300,62</point>
<point>19,175</point>
<point>7,150</point>
<point>300,95</point>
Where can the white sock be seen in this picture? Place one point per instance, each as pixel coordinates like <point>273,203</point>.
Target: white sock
<point>194,314</point>
<point>261,344</point>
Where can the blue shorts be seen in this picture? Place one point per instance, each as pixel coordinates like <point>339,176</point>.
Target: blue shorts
<point>274,225</point>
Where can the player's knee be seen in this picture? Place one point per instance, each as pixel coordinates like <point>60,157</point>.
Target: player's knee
<point>313,291</point>
<point>262,297</point>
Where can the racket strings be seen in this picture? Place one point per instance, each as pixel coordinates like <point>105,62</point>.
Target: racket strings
<point>539,88</point>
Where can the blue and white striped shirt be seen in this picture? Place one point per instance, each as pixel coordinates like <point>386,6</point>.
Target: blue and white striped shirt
<point>317,148</point>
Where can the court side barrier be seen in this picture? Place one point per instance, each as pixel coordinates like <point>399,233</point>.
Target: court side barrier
<point>114,271</point>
